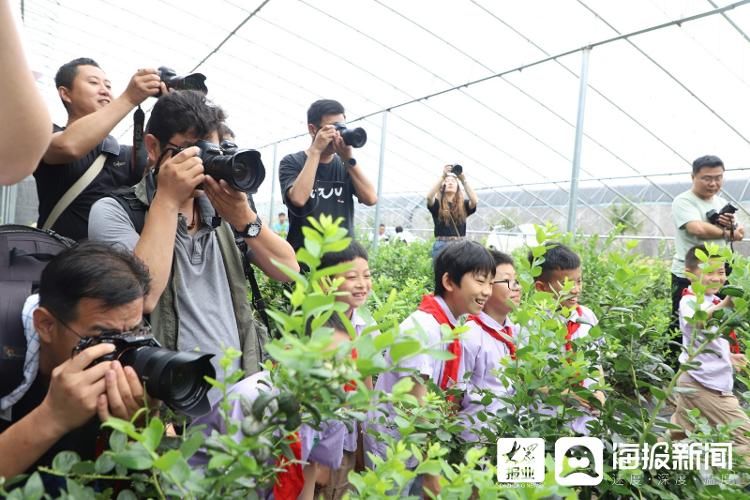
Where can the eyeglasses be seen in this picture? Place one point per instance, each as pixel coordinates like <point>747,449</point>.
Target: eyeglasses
<point>142,329</point>
<point>708,179</point>
<point>511,284</point>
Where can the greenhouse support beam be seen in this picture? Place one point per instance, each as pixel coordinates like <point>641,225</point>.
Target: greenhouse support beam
<point>381,163</point>
<point>583,84</point>
<point>273,185</point>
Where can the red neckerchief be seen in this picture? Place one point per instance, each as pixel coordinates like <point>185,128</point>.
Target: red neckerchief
<point>573,327</point>
<point>291,481</point>
<point>351,386</point>
<point>506,339</point>
<point>431,306</point>
<point>734,345</point>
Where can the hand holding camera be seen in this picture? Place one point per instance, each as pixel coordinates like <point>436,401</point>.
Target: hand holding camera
<point>145,83</point>
<point>180,175</point>
<point>75,389</point>
<point>724,217</point>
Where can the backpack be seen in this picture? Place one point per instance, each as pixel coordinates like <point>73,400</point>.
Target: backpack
<point>24,253</point>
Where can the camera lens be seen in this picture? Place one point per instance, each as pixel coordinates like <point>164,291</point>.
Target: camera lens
<point>243,170</point>
<point>176,378</point>
<point>355,138</point>
<point>457,169</point>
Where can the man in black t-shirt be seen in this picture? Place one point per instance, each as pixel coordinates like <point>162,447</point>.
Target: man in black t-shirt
<point>63,399</point>
<point>92,114</point>
<point>324,178</point>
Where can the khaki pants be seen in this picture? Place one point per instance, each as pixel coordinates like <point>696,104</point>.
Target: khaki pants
<point>338,481</point>
<point>714,407</point>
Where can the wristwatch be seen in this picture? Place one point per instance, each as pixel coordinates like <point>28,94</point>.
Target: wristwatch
<point>252,229</point>
<point>351,162</point>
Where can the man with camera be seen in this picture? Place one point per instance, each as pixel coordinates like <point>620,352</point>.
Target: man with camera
<point>701,216</point>
<point>56,406</point>
<point>324,178</point>
<point>179,221</point>
<point>83,163</point>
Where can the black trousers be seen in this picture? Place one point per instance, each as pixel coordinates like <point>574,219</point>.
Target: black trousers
<point>678,285</point>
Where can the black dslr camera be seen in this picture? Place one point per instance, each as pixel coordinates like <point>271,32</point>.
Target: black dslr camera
<point>713,216</point>
<point>240,168</point>
<point>177,378</point>
<point>193,81</point>
<point>457,169</point>
<point>354,137</point>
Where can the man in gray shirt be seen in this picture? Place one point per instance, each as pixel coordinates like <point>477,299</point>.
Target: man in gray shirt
<point>689,213</point>
<point>196,299</point>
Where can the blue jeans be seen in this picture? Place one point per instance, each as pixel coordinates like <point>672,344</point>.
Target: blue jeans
<point>437,246</point>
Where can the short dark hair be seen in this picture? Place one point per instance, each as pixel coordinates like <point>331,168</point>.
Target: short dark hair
<point>282,213</point>
<point>501,258</point>
<point>692,261</point>
<point>321,108</point>
<point>557,257</point>
<point>459,258</point>
<point>68,71</point>
<point>225,133</point>
<point>92,270</point>
<point>708,161</point>
<point>399,229</point>
<point>184,112</point>
<point>382,225</point>
<point>354,250</point>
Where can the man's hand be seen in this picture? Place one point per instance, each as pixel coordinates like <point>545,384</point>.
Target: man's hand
<point>230,204</point>
<point>323,138</point>
<point>74,389</point>
<point>341,148</point>
<point>179,176</point>
<point>145,83</point>
<point>726,220</point>
<point>739,361</point>
<point>124,395</point>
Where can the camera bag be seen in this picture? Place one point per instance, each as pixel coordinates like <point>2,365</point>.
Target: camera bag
<point>24,253</point>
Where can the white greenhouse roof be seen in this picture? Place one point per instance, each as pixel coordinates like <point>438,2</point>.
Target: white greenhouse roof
<point>655,100</point>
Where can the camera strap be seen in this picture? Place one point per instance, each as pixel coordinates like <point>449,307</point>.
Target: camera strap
<point>258,303</point>
<point>140,157</point>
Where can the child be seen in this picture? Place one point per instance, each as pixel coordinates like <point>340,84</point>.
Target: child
<point>561,266</point>
<point>357,283</point>
<point>712,382</point>
<point>463,274</point>
<point>354,291</point>
<point>490,339</point>
<point>319,450</point>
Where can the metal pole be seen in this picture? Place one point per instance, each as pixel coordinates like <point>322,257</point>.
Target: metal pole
<point>383,130</point>
<point>273,185</point>
<point>583,85</point>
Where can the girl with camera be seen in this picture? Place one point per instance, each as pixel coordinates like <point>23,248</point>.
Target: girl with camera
<point>449,208</point>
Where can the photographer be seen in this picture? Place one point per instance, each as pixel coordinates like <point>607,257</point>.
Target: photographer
<point>449,209</point>
<point>198,299</point>
<point>55,408</point>
<point>700,216</point>
<point>324,178</point>
<point>77,150</point>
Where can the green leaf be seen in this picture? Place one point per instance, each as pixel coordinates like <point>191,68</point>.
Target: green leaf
<point>136,457</point>
<point>104,464</point>
<point>220,461</point>
<point>65,460</point>
<point>429,467</point>
<point>192,444</point>
<point>78,491</point>
<point>117,441</point>
<point>166,461</point>
<point>151,436</point>
<point>404,348</point>
<point>33,489</point>
<point>127,495</point>
<point>403,386</point>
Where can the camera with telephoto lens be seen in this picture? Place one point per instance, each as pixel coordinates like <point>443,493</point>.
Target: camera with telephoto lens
<point>713,216</point>
<point>193,81</point>
<point>457,169</point>
<point>354,137</point>
<point>176,378</point>
<point>242,169</point>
